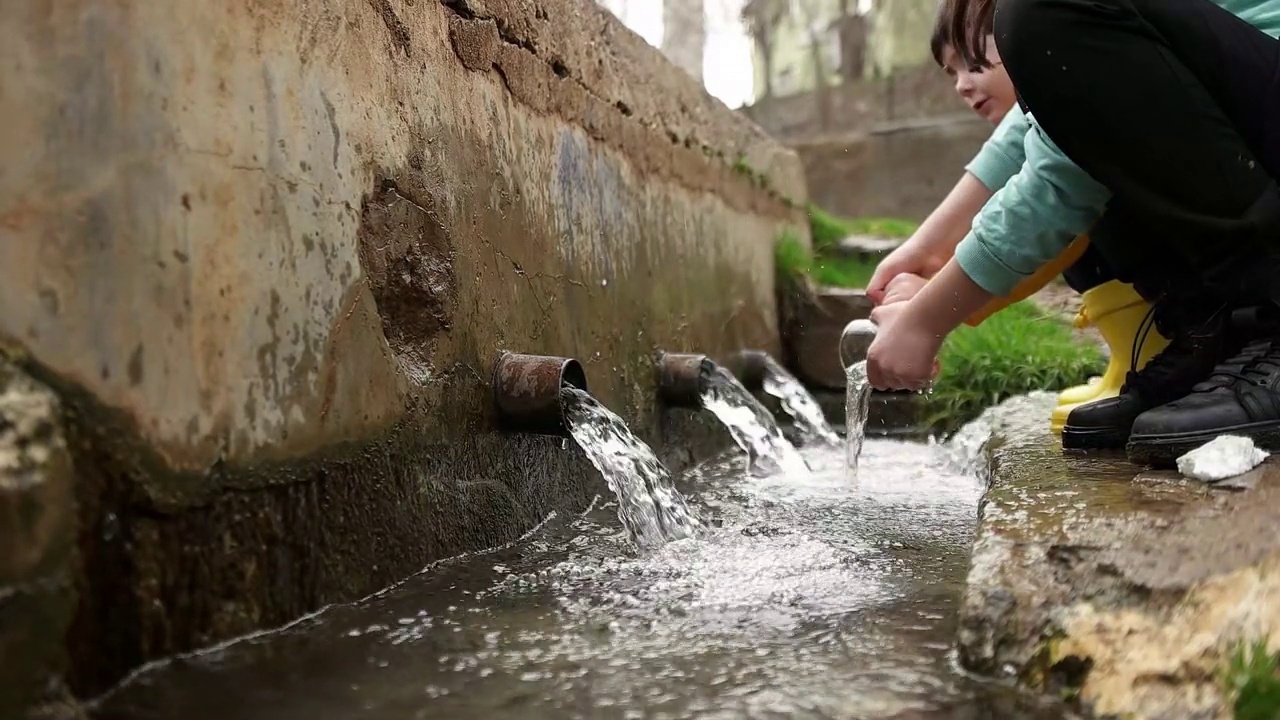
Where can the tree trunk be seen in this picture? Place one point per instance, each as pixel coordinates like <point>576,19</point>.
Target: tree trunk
<point>684,35</point>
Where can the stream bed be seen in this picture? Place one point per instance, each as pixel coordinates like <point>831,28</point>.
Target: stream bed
<point>805,595</point>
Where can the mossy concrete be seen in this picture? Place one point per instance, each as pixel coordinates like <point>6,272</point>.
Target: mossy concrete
<point>1125,589</point>
<point>37,543</point>
<point>266,255</point>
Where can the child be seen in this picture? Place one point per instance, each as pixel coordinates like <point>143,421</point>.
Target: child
<point>1164,107</point>
<point>1113,307</point>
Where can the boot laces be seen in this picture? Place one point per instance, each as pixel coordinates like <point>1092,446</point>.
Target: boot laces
<point>1256,364</point>
<point>1167,371</point>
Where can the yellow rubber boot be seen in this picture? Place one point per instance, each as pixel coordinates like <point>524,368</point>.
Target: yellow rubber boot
<point>1118,312</point>
<point>1090,390</point>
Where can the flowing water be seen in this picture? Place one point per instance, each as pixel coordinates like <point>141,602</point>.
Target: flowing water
<point>652,511</point>
<point>752,426</point>
<point>799,404</point>
<point>857,405</point>
<point>806,595</point>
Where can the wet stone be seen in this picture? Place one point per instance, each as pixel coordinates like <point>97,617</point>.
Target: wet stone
<point>1091,576</point>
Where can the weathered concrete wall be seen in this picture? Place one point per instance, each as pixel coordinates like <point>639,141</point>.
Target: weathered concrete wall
<point>267,253</point>
<point>1126,590</point>
<point>902,170</point>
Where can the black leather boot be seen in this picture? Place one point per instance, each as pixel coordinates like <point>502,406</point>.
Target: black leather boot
<point>1240,397</point>
<point>1196,347</point>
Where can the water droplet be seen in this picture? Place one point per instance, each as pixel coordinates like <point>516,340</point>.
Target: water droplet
<point>110,527</point>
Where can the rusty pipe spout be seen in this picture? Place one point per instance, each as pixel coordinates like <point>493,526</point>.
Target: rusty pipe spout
<point>526,392</point>
<point>750,367</point>
<point>682,378</point>
<point>855,341</point>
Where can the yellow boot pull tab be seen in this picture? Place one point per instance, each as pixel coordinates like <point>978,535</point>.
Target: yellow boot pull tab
<point>1082,318</point>
<point>1034,282</point>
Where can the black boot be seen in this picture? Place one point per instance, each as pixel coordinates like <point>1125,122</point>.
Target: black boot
<point>1196,347</point>
<point>1241,397</point>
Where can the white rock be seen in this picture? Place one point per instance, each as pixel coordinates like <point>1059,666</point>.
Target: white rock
<point>1222,457</point>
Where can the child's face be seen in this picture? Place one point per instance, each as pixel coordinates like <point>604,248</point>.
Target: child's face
<point>988,92</point>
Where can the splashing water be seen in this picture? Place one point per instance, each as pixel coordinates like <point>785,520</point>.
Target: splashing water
<point>751,425</point>
<point>798,403</point>
<point>1019,415</point>
<point>857,404</point>
<point>651,509</point>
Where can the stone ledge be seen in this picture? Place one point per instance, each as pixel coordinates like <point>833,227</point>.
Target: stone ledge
<point>1123,588</point>
<point>812,334</point>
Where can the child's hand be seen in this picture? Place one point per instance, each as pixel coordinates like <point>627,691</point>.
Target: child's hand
<point>903,356</point>
<point>902,288</point>
<point>914,257</point>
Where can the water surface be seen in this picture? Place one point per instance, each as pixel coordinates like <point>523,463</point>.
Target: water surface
<point>807,595</point>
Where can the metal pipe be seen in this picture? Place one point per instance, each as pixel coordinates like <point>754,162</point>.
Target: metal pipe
<point>750,366</point>
<point>682,378</point>
<point>526,392</point>
<point>855,340</point>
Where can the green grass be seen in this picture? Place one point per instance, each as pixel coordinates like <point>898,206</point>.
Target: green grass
<point>827,229</point>
<point>1013,352</point>
<point>841,272</point>
<point>1253,683</point>
<point>791,257</point>
<point>794,260</point>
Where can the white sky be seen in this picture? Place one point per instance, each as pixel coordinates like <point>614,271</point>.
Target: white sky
<point>726,64</point>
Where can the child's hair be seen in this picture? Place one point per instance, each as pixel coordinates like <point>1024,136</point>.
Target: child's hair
<point>963,25</point>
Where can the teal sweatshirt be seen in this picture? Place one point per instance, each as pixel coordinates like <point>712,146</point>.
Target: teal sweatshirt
<point>1042,200</point>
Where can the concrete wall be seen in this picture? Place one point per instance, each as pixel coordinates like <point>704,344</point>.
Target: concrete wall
<point>900,170</point>
<point>264,255</point>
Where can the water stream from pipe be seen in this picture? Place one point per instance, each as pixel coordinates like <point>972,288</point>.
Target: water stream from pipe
<point>752,426</point>
<point>798,403</point>
<point>652,511</point>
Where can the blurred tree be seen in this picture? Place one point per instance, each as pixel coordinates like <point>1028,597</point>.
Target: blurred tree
<point>761,19</point>
<point>684,34</point>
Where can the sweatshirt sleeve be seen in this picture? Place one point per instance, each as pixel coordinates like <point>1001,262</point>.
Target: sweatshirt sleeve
<point>1032,219</point>
<point>1003,153</point>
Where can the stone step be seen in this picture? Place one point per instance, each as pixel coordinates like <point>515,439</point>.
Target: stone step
<point>867,248</point>
<point>813,335</point>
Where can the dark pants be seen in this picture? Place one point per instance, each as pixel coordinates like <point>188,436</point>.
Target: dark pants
<point>1174,106</point>
<point>1090,271</point>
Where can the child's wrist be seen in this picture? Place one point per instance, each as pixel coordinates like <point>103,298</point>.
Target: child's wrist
<point>936,321</point>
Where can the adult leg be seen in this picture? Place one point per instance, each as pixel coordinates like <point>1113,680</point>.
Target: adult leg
<point>1090,271</point>
<point>1166,102</point>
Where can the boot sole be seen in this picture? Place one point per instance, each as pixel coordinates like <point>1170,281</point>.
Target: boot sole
<point>1163,451</point>
<point>1087,438</point>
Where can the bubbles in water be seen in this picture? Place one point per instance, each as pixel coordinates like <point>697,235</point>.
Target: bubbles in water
<point>751,425</point>
<point>857,404</point>
<point>798,403</point>
<point>651,509</point>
